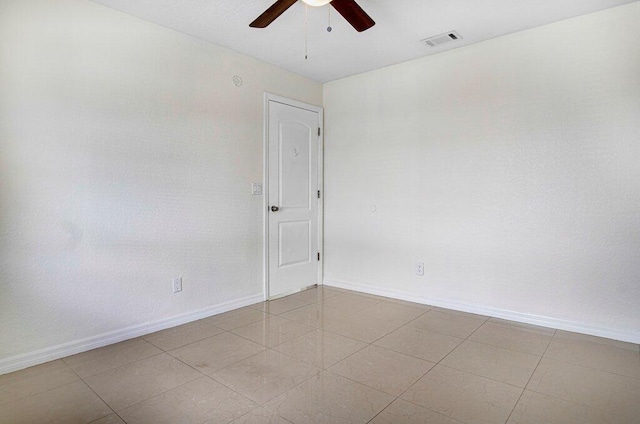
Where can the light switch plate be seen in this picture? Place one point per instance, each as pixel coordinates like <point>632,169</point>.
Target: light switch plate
<point>256,189</point>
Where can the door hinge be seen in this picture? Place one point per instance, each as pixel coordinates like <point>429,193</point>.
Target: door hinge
<point>318,131</point>
<point>318,194</point>
<point>318,255</point>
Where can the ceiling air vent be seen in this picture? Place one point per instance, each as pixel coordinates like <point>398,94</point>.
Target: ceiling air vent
<point>441,39</point>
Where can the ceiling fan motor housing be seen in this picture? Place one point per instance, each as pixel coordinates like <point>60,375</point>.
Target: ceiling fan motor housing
<point>349,9</point>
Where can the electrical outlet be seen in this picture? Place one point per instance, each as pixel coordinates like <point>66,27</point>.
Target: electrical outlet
<point>420,268</point>
<point>177,285</point>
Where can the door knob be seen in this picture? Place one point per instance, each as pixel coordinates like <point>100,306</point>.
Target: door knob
<point>274,209</point>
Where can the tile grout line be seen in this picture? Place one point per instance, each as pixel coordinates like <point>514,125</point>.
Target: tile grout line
<point>321,370</point>
<point>574,402</point>
<point>369,344</point>
<point>530,377</point>
<point>321,303</point>
<point>130,363</point>
<point>46,391</point>
<point>464,340</point>
<point>265,346</point>
<point>592,367</point>
<point>595,369</point>
<point>290,389</point>
<point>98,396</point>
<point>467,339</point>
<point>210,377</point>
<point>252,341</point>
<point>580,366</point>
<point>162,352</point>
<point>82,379</point>
<point>240,360</point>
<point>226,366</point>
<point>187,344</point>
<point>372,344</point>
<point>372,388</point>
<point>385,335</point>
<point>438,363</point>
<point>202,375</point>
<point>567,400</point>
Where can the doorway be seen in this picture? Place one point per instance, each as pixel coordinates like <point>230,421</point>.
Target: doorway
<point>293,196</point>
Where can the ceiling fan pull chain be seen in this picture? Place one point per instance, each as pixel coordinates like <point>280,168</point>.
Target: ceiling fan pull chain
<point>329,29</point>
<point>306,27</point>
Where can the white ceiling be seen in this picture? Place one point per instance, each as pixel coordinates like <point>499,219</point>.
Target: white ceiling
<point>400,25</point>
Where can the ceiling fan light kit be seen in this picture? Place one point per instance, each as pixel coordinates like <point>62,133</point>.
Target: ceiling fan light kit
<point>349,9</point>
<point>317,3</point>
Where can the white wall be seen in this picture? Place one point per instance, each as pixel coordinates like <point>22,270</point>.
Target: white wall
<point>510,168</point>
<point>126,159</point>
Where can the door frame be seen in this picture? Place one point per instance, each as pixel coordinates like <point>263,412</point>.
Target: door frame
<point>268,97</point>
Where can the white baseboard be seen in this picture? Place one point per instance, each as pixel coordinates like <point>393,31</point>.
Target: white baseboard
<point>41,356</point>
<point>543,321</point>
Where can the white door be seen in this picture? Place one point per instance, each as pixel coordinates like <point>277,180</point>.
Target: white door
<point>293,248</point>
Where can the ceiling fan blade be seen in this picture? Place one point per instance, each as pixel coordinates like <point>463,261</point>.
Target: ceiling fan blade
<point>270,15</point>
<point>354,14</point>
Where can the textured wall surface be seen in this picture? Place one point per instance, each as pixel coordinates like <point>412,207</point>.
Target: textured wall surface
<point>510,168</point>
<point>126,159</point>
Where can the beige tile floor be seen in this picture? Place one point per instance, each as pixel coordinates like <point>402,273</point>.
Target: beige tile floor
<point>334,356</point>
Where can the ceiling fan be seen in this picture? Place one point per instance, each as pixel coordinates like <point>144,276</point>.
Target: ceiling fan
<point>349,10</point>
